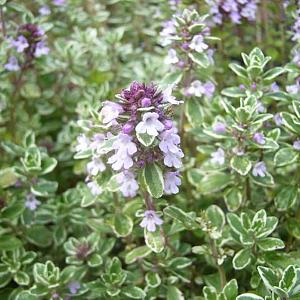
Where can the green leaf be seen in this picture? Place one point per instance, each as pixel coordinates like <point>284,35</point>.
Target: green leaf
<point>200,59</point>
<point>238,70</point>
<point>9,242</point>
<point>285,156</point>
<point>173,293</point>
<point>48,165</point>
<point>21,278</point>
<point>154,240</point>
<point>270,244</point>
<point>153,280</point>
<point>172,78</point>
<point>242,259</point>
<point>13,210</point>
<point>214,182</point>
<point>249,296</point>
<point>268,276</point>
<point>241,164</point>
<point>233,199</point>
<point>194,112</point>
<point>286,198</point>
<point>235,224</point>
<point>39,235</point>
<point>273,73</point>
<point>180,216</point>
<point>267,180</point>
<point>230,290</point>
<point>153,178</point>
<point>122,225</point>
<point>95,260</point>
<point>216,216</point>
<point>289,278</point>
<point>5,279</point>
<point>134,292</point>
<point>145,139</point>
<point>137,254</point>
<point>44,188</point>
<point>291,122</point>
<point>8,177</point>
<point>233,92</point>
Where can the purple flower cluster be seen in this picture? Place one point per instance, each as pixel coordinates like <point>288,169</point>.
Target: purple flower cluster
<point>31,41</point>
<point>185,34</point>
<point>139,132</point>
<point>235,10</point>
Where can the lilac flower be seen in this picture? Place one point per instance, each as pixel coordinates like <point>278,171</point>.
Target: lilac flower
<point>59,2</point>
<point>278,119</point>
<point>249,11</point>
<point>150,124</point>
<point>209,89</point>
<point>95,166</point>
<point>12,64</point>
<point>83,143</point>
<point>129,185</point>
<point>31,202</point>
<point>20,43</point>
<point>259,138</point>
<point>171,182</point>
<point>196,88</point>
<point>198,44</point>
<point>45,10</point>
<point>296,145</point>
<point>274,87</point>
<point>168,95</point>
<point>41,49</point>
<point>173,159</point>
<point>172,57</point>
<point>151,220</point>
<point>259,169</point>
<point>219,127</point>
<point>110,112</point>
<point>235,17</point>
<point>293,89</point>
<point>94,187</point>
<point>74,286</point>
<point>124,149</point>
<point>260,107</point>
<point>169,141</point>
<point>96,142</point>
<point>218,157</point>
<point>169,29</point>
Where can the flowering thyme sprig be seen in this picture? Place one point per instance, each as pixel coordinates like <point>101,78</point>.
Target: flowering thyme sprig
<point>134,133</point>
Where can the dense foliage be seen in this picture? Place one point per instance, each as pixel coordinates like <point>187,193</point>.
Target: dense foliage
<point>150,149</point>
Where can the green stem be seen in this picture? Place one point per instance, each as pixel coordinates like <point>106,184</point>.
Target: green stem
<point>3,27</point>
<point>220,268</point>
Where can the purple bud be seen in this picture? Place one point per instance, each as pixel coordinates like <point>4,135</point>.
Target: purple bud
<point>141,163</point>
<point>296,145</point>
<point>219,127</point>
<point>259,138</point>
<point>185,46</point>
<point>242,87</point>
<point>127,128</point>
<point>146,102</point>
<point>181,64</point>
<point>253,86</point>
<point>168,124</point>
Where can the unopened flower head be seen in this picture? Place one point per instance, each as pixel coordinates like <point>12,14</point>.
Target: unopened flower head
<point>31,40</point>
<point>139,130</point>
<point>185,35</point>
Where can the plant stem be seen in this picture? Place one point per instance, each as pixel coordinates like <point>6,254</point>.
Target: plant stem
<point>220,268</point>
<point>3,27</point>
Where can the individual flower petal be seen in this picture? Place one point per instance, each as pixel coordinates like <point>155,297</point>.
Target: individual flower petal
<point>259,169</point>
<point>172,57</point>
